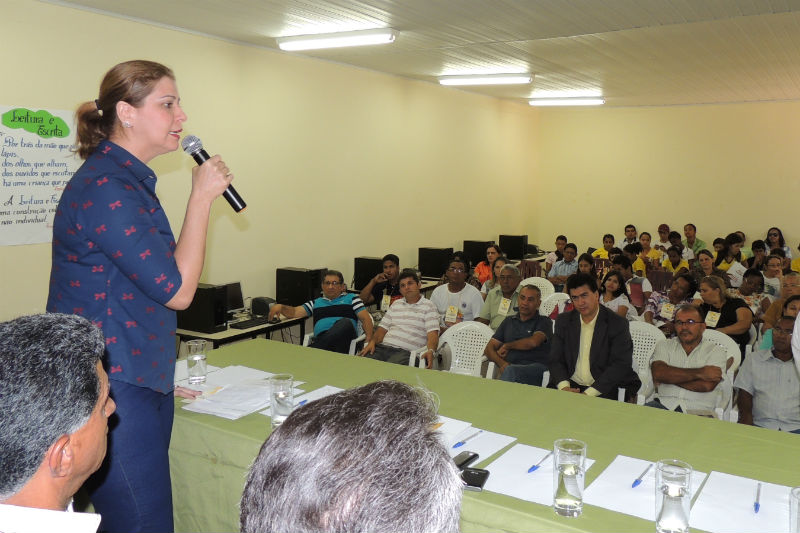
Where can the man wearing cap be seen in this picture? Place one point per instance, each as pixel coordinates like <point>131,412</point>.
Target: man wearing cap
<point>663,239</point>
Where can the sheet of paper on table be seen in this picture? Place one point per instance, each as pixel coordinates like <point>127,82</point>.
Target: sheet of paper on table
<point>448,428</point>
<point>612,488</point>
<point>310,396</point>
<point>509,474</point>
<point>726,504</point>
<point>485,444</point>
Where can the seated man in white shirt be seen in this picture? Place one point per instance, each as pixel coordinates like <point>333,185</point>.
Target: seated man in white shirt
<point>687,369</point>
<point>54,409</point>
<point>410,323</point>
<point>456,301</point>
<point>769,389</point>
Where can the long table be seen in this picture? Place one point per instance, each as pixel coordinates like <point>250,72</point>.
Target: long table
<point>210,456</point>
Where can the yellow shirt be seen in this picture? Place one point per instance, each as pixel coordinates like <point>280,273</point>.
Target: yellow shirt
<point>668,266</point>
<point>639,265</point>
<point>654,254</point>
<point>601,253</point>
<point>724,266</point>
<point>583,373</point>
<point>796,264</point>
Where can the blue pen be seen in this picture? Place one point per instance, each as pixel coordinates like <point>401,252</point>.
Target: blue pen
<point>638,480</point>
<point>463,442</point>
<point>302,402</point>
<point>757,504</point>
<point>537,465</point>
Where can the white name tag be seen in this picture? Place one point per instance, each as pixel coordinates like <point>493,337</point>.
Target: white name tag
<point>505,305</point>
<point>451,315</point>
<point>668,311</point>
<point>712,318</point>
<point>386,301</point>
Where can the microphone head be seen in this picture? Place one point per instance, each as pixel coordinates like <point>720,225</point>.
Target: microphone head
<point>191,144</point>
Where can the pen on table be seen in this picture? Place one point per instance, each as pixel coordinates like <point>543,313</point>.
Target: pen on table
<point>463,442</point>
<point>302,402</point>
<point>638,480</point>
<point>757,504</point>
<point>537,465</point>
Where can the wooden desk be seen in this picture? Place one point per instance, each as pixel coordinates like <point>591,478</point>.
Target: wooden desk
<point>233,335</point>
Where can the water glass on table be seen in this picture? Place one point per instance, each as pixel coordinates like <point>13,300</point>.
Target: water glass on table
<point>281,397</point>
<point>196,361</point>
<point>794,510</point>
<point>673,496</point>
<point>569,470</point>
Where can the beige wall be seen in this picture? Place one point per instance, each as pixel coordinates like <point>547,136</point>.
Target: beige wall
<point>334,162</point>
<point>722,167</point>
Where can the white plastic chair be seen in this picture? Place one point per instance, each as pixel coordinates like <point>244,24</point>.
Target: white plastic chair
<point>752,342</point>
<point>726,409</point>
<point>544,286</point>
<point>551,302</point>
<point>467,342</point>
<point>353,344</point>
<point>644,336</point>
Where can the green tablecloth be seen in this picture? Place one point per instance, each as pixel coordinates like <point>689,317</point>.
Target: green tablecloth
<point>210,455</point>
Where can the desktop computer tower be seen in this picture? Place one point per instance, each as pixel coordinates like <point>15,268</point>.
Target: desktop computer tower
<point>364,269</point>
<point>296,286</point>
<point>476,251</point>
<point>514,246</point>
<point>433,261</point>
<point>208,310</point>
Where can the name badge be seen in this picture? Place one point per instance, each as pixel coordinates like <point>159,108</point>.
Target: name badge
<point>712,318</point>
<point>668,311</point>
<point>452,314</point>
<point>386,301</point>
<point>505,305</point>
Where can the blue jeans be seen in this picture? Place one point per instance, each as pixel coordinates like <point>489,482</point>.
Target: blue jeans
<point>337,338</point>
<point>132,490</point>
<point>531,374</point>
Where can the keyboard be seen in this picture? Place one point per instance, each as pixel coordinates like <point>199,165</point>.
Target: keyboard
<point>249,323</point>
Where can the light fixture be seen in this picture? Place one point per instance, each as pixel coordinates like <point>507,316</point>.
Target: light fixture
<point>487,79</point>
<point>566,101</point>
<point>337,40</point>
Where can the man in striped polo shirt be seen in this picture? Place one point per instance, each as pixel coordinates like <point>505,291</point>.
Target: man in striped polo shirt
<point>335,314</point>
<point>411,323</point>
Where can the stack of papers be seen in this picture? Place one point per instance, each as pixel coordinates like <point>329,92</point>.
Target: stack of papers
<point>509,474</point>
<point>233,392</point>
<point>726,504</point>
<point>612,488</point>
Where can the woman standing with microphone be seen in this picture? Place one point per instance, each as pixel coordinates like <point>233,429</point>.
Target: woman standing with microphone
<point>116,262</point>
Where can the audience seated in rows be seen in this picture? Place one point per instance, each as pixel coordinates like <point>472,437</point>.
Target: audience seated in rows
<point>727,315</point>
<point>687,368</point>
<point>521,345</point>
<point>456,301</point>
<point>410,323</point>
<point>564,268</point>
<point>384,288</point>
<point>54,411</point>
<point>335,314</point>
<point>660,309</point>
<point>591,349</point>
<point>376,464</point>
<point>491,283</point>
<point>483,270</point>
<point>501,301</point>
<point>769,389</point>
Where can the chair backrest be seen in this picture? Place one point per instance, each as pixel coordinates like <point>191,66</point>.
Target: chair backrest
<point>637,295</point>
<point>529,268</point>
<point>545,287</point>
<point>550,304</point>
<point>644,336</point>
<point>727,344</point>
<point>659,279</point>
<point>467,341</point>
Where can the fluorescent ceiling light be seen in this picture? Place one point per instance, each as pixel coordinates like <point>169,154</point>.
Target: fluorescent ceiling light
<point>487,79</point>
<point>566,101</point>
<point>337,40</point>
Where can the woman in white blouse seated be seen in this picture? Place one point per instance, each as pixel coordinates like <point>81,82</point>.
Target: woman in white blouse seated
<point>614,295</point>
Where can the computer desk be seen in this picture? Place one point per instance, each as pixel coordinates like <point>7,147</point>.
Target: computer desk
<point>233,335</point>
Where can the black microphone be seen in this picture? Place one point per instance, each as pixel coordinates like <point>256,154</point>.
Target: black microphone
<point>194,147</point>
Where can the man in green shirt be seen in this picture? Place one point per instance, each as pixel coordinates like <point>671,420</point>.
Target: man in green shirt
<point>502,299</point>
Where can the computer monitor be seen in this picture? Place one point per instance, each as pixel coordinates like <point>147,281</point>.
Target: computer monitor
<point>235,301</point>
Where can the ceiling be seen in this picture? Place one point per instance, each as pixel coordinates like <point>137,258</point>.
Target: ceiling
<point>633,52</point>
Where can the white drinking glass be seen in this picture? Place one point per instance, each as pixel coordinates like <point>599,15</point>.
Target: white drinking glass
<point>673,496</point>
<point>281,397</point>
<point>569,469</point>
<point>196,361</point>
